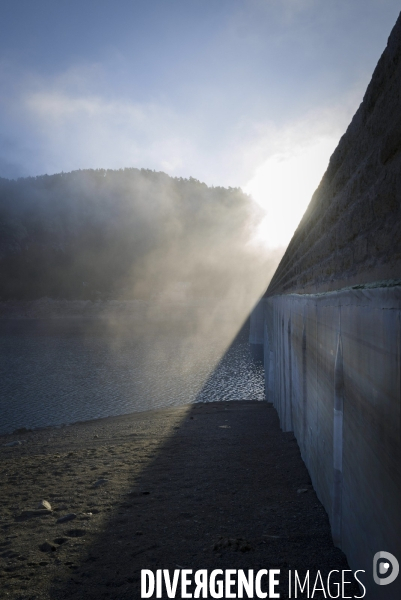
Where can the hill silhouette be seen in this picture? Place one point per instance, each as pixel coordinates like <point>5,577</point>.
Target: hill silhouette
<point>131,233</point>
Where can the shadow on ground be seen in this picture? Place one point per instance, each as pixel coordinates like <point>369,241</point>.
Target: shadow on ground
<point>227,489</point>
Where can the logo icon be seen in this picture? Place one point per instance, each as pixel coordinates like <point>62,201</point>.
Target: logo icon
<point>385,568</point>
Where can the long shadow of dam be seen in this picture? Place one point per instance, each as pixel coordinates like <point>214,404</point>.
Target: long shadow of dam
<point>225,488</point>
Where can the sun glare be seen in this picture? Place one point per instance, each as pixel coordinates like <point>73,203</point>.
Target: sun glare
<point>283,186</point>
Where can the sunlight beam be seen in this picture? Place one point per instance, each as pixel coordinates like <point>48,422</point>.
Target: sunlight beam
<point>283,186</point>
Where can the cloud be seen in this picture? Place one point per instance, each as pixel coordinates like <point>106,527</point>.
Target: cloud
<point>72,121</point>
<point>89,131</point>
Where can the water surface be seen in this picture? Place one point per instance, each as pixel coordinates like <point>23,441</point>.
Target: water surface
<point>58,371</point>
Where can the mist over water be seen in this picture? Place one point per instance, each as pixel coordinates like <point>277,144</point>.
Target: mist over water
<point>123,291</point>
<point>55,372</point>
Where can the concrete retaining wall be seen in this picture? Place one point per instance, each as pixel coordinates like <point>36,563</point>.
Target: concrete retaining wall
<point>333,372</point>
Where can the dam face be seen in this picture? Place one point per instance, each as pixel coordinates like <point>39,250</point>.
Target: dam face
<point>332,364</point>
<point>330,329</point>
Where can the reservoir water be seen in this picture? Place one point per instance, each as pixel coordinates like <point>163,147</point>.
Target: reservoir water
<point>59,371</point>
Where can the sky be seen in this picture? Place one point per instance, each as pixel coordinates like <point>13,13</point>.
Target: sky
<point>249,93</point>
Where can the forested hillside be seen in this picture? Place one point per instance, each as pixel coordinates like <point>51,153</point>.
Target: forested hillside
<point>99,234</point>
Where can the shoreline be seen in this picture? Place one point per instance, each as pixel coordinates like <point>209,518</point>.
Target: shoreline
<point>17,433</point>
<point>56,308</point>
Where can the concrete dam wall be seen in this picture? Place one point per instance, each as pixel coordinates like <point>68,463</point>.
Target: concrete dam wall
<point>330,329</point>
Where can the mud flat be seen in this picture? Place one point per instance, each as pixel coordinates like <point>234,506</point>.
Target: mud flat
<point>210,486</point>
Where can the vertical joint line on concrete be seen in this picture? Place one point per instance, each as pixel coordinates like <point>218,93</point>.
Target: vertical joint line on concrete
<point>290,392</point>
<point>304,383</point>
<point>338,420</point>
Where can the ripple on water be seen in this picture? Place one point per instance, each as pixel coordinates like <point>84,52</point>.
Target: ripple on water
<point>63,376</point>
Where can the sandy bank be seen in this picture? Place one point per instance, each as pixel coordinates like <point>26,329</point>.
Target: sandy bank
<point>204,486</point>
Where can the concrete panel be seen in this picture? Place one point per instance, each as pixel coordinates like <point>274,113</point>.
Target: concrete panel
<point>332,366</point>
